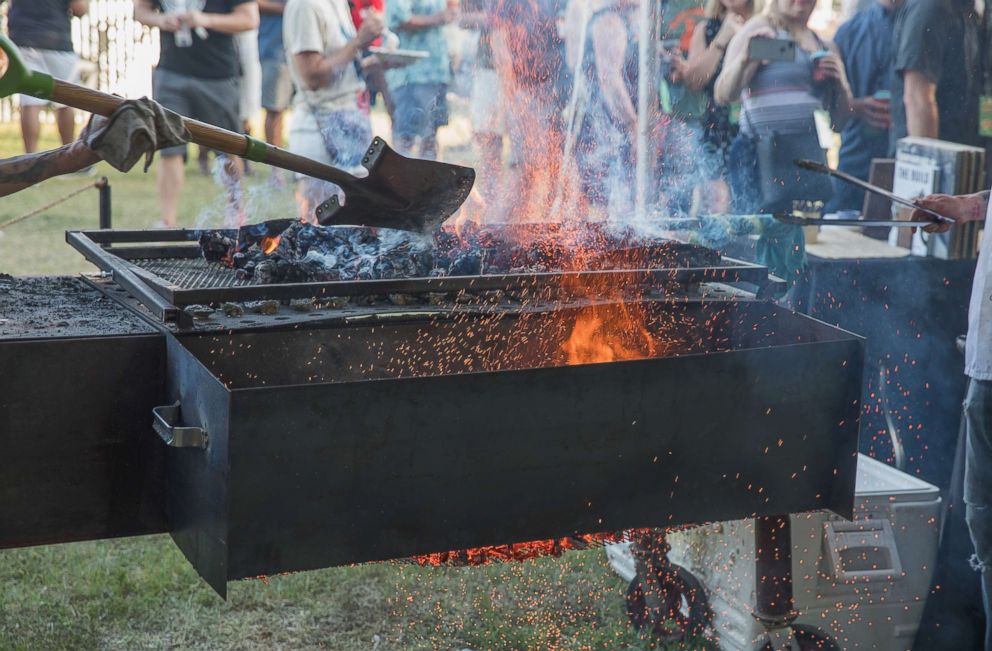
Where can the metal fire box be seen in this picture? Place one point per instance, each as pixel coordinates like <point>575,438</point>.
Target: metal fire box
<point>309,447</point>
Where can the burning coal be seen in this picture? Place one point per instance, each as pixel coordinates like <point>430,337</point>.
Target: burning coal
<point>287,251</point>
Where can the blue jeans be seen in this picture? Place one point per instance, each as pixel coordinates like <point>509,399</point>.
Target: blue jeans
<point>978,488</point>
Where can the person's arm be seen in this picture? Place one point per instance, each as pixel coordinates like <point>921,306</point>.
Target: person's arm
<point>24,171</point>
<point>919,59</point>
<point>873,112</point>
<point>842,101</point>
<point>318,70</point>
<point>78,8</point>
<point>609,54</point>
<point>962,209</point>
<point>271,7</point>
<point>146,14</point>
<point>242,18</point>
<point>704,59</point>
<point>738,68</point>
<point>920,98</point>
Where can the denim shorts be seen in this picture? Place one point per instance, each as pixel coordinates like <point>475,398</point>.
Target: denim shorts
<point>277,85</point>
<point>420,110</point>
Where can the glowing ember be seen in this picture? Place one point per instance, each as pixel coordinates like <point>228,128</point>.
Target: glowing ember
<point>269,244</point>
<point>609,335</point>
<point>521,552</point>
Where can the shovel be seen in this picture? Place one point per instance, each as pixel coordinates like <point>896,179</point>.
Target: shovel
<point>399,192</point>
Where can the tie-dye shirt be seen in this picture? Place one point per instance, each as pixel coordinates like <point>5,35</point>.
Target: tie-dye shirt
<point>435,69</point>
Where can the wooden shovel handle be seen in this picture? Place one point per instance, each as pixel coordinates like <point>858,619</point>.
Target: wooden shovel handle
<point>236,144</point>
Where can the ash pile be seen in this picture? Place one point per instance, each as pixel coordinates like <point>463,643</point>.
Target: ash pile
<point>289,251</point>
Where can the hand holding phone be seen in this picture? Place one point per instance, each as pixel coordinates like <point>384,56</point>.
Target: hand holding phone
<point>763,48</point>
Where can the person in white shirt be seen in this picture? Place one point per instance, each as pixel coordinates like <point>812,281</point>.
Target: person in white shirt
<point>330,120</point>
<point>978,367</point>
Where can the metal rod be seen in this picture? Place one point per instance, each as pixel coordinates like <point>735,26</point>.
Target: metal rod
<point>510,282</point>
<point>124,236</point>
<point>103,187</point>
<point>124,277</point>
<point>819,221</point>
<point>874,189</point>
<point>647,102</point>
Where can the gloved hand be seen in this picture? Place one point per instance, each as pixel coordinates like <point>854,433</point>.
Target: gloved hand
<point>137,127</point>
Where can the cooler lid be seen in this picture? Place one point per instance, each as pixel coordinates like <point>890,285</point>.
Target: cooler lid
<point>878,479</point>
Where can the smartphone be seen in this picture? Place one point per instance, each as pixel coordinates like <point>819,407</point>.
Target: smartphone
<point>771,49</point>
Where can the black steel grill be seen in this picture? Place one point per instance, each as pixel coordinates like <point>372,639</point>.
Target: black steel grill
<point>191,273</point>
<point>378,431</point>
<point>166,272</point>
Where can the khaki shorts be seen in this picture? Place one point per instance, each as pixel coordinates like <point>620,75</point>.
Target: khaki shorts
<point>57,63</point>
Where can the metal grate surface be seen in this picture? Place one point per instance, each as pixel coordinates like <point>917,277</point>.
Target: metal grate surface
<point>191,273</point>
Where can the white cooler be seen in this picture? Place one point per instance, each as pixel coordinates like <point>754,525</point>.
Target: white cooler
<point>863,582</point>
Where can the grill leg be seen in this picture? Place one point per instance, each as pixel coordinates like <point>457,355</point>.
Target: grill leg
<point>773,577</point>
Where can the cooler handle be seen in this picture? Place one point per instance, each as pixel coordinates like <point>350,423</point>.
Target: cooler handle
<point>863,536</point>
<point>165,423</point>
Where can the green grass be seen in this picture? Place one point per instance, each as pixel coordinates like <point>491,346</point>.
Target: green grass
<point>142,594</point>
<point>37,245</point>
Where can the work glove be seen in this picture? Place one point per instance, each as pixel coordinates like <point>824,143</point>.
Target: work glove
<point>138,127</point>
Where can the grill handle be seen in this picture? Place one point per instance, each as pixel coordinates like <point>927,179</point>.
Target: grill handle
<point>165,423</point>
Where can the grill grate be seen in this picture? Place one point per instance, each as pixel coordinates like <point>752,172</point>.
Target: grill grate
<point>163,271</point>
<point>191,273</point>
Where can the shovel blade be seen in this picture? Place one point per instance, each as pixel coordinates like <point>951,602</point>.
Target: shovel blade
<point>403,193</point>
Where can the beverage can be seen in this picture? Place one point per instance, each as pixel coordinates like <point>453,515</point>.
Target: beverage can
<point>884,96</point>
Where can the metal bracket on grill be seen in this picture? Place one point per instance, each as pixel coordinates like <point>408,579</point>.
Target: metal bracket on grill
<point>174,435</point>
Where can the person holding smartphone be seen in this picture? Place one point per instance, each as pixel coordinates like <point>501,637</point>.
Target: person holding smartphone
<point>780,97</point>
<point>782,72</point>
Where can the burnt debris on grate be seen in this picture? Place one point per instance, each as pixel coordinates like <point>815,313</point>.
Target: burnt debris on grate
<point>286,251</point>
<point>60,306</point>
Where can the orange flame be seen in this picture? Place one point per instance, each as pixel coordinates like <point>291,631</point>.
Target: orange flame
<point>610,334</point>
<point>306,206</point>
<point>269,244</point>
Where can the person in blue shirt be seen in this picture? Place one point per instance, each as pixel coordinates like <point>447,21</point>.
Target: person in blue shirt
<point>420,89</point>
<point>277,84</point>
<point>865,45</point>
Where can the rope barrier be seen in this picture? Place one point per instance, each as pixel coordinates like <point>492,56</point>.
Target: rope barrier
<point>37,211</point>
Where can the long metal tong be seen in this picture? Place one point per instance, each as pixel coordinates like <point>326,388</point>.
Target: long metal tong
<point>813,166</point>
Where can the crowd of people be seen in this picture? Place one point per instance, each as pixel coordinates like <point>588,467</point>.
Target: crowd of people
<point>556,82</point>
<point>747,88</point>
